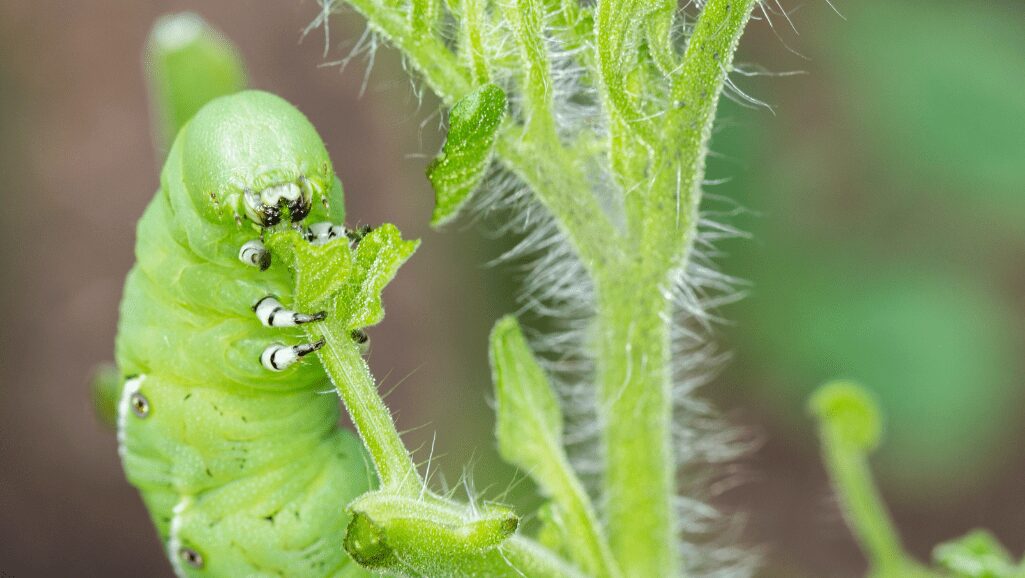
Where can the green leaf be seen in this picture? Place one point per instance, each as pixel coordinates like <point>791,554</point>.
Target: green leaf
<point>976,555</point>
<point>427,536</point>
<point>464,159</point>
<point>321,271</point>
<point>529,432</point>
<point>529,422</point>
<point>378,257</point>
<point>189,64</point>
<point>345,281</point>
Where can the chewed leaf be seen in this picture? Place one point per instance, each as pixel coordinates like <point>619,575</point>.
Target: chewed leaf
<point>976,555</point>
<point>529,420</point>
<point>345,281</point>
<point>456,172</point>
<point>850,411</point>
<point>321,271</point>
<point>378,257</point>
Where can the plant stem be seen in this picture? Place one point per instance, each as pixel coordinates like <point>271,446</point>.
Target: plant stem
<point>351,377</point>
<point>428,55</point>
<point>862,506</point>
<point>671,203</point>
<point>657,159</point>
<point>547,167</point>
<point>558,183</point>
<point>636,407</point>
<point>634,307</point>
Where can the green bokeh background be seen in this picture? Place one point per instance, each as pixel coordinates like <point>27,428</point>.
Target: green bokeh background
<point>884,197</point>
<point>888,231</point>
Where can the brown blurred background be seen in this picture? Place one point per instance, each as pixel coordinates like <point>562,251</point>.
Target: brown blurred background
<point>887,204</point>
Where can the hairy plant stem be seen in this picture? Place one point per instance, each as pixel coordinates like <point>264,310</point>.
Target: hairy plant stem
<point>441,70</point>
<point>864,509</point>
<point>666,163</point>
<point>358,390</point>
<point>635,402</point>
<point>554,177</point>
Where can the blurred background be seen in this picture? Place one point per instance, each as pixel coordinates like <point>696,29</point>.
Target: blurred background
<point>884,194</point>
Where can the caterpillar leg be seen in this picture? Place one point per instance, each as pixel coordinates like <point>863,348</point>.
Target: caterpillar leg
<point>361,339</point>
<point>278,357</point>
<point>320,233</point>
<point>255,254</point>
<point>355,236</point>
<point>271,313</point>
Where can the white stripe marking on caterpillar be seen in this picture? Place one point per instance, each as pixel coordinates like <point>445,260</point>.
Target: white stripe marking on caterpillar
<point>174,543</point>
<point>124,408</point>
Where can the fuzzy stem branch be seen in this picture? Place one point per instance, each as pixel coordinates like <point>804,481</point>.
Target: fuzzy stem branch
<point>850,427</point>
<point>358,390</point>
<point>864,509</point>
<point>675,193</point>
<point>634,307</point>
<point>561,187</point>
<point>558,182</point>
<point>472,41</point>
<point>428,55</point>
<point>526,19</point>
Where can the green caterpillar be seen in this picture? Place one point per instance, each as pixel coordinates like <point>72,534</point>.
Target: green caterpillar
<point>226,433</point>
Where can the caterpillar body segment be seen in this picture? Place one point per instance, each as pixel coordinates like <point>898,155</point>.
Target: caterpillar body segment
<point>245,471</point>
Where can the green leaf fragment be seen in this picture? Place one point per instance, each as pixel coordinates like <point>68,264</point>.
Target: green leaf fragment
<point>378,258</point>
<point>345,281</point>
<point>976,555</point>
<point>464,159</point>
<point>529,420</point>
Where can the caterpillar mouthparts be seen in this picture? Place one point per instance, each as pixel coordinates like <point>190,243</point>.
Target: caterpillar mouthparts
<point>264,207</point>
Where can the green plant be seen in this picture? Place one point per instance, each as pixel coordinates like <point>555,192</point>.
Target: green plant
<point>601,115</point>
<point>850,428</point>
<point>597,112</point>
<point>607,128</point>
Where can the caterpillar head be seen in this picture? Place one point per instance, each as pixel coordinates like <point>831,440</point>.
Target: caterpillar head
<point>254,155</point>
